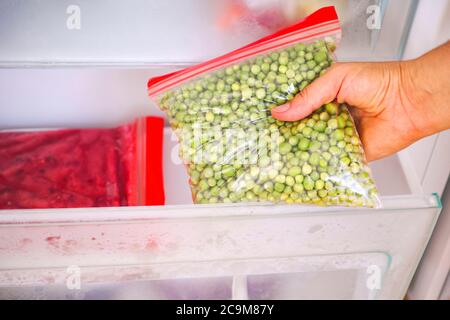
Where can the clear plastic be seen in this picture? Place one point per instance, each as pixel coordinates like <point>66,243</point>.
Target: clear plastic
<point>71,168</point>
<point>236,152</point>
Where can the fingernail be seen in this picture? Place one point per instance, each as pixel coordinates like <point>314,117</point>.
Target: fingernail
<point>282,108</point>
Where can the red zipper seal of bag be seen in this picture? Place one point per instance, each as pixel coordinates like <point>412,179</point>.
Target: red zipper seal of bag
<point>322,23</point>
<point>154,179</point>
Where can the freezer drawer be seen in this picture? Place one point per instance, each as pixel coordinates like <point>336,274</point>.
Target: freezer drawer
<point>182,250</point>
<point>223,251</point>
<point>185,251</point>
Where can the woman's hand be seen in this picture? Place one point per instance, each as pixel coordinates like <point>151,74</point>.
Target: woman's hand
<point>395,103</point>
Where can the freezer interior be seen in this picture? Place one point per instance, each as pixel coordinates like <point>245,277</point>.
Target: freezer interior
<point>54,78</point>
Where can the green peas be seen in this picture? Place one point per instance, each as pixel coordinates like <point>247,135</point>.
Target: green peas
<point>293,140</point>
<point>212,182</point>
<point>246,93</point>
<point>311,64</point>
<point>282,79</point>
<point>319,184</point>
<point>282,69</point>
<point>349,131</point>
<point>332,124</point>
<point>323,163</point>
<point>254,171</point>
<point>339,134</point>
<point>306,169</point>
<point>310,75</point>
<point>298,78</point>
<point>345,161</point>
<point>299,179</point>
<point>228,171</point>
<point>209,117</point>
<point>283,60</point>
<point>208,173</point>
<point>285,148</point>
<point>308,184</point>
<point>290,73</point>
<point>354,141</point>
<point>260,93</point>
<point>316,160</point>
<point>307,132</point>
<point>265,67</point>
<point>235,86</point>
<point>322,193</point>
<point>255,69</point>
<point>203,185</point>
<point>304,144</point>
<point>322,138</point>
<point>320,126</point>
<point>264,161</point>
<point>294,171</point>
<point>279,187</point>
<point>290,181</point>
<point>314,146</point>
<point>285,88</point>
<point>354,167</point>
<point>280,178</point>
<point>332,108</point>
<point>320,56</point>
<point>335,150</point>
<point>298,188</point>
<point>274,67</point>
<point>295,161</point>
<point>341,122</point>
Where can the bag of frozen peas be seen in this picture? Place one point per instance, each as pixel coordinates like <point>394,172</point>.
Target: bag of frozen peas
<point>235,151</point>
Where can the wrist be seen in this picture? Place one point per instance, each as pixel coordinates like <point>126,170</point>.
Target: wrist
<point>417,99</point>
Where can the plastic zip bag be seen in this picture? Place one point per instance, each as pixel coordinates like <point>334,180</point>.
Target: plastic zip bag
<point>236,152</point>
<point>72,168</point>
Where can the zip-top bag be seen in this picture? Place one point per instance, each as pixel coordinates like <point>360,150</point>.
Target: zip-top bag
<point>89,167</point>
<point>236,152</point>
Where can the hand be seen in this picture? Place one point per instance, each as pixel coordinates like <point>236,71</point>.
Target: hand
<point>395,103</point>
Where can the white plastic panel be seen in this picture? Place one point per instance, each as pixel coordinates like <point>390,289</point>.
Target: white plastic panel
<point>123,244</point>
<point>185,289</point>
<point>310,277</point>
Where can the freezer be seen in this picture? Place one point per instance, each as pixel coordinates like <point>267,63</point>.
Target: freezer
<point>57,72</point>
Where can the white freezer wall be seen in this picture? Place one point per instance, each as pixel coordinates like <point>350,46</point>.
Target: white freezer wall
<point>429,159</point>
<point>74,97</point>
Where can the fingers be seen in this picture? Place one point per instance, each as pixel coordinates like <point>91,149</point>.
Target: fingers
<point>323,90</point>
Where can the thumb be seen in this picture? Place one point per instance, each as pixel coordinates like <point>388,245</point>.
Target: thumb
<point>321,91</point>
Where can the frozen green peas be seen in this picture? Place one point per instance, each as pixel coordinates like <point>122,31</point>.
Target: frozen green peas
<point>236,152</point>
